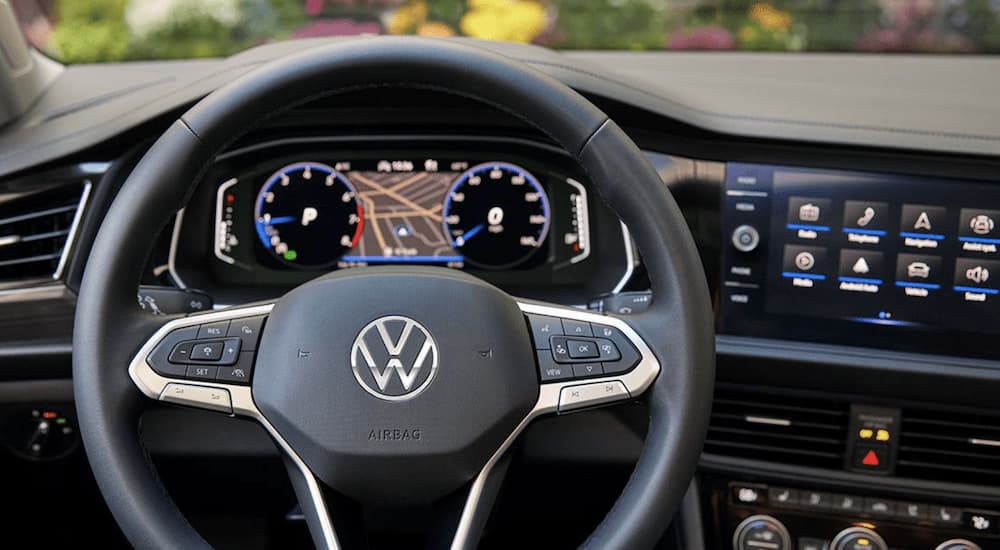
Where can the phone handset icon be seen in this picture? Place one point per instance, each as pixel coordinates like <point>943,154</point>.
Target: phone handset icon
<point>867,217</point>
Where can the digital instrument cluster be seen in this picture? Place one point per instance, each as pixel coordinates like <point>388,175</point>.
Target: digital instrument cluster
<point>884,260</point>
<point>516,213</point>
<point>346,213</point>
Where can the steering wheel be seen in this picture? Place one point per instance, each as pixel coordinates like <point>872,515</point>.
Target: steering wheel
<point>390,385</point>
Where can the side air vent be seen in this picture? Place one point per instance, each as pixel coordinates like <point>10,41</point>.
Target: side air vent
<point>804,431</point>
<point>37,222</point>
<point>950,446</point>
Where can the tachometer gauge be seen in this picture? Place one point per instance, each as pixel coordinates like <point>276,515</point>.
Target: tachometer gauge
<point>307,215</point>
<point>496,214</point>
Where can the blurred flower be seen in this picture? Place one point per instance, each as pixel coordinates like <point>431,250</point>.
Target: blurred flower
<point>507,20</point>
<point>435,29</point>
<point>408,17</point>
<point>770,18</point>
<point>702,38</point>
<point>336,27</point>
<point>913,28</point>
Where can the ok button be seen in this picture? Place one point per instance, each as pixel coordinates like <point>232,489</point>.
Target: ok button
<point>583,349</point>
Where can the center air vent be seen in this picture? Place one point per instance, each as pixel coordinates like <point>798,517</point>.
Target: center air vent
<point>804,431</point>
<point>950,446</point>
<point>35,226</point>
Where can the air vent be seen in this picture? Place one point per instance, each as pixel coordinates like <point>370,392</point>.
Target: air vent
<point>804,431</point>
<point>36,224</point>
<point>950,446</point>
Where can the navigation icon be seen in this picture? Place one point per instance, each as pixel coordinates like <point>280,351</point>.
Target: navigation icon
<point>923,222</point>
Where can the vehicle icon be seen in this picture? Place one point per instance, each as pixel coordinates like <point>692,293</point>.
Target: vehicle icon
<point>918,270</point>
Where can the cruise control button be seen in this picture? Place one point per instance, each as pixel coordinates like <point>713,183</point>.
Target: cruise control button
<point>240,372</point>
<point>216,399</point>
<point>544,327</point>
<point>247,330</point>
<point>202,372</point>
<point>589,395</point>
<point>549,370</point>
<point>629,355</point>
<point>158,359</point>
<point>576,328</point>
<point>213,330</point>
<point>181,353</point>
<point>585,370</point>
<point>207,351</point>
<point>583,349</point>
<point>230,351</point>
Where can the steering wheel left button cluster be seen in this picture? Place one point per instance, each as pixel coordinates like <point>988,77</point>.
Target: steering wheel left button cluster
<point>221,351</point>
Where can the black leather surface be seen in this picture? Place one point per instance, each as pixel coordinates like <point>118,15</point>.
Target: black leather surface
<point>110,328</point>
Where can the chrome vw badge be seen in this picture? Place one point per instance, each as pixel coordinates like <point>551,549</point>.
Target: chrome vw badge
<point>394,358</point>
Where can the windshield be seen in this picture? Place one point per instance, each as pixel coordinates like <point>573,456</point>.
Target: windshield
<point>87,31</point>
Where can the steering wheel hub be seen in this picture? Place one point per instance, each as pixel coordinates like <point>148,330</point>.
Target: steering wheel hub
<point>395,384</point>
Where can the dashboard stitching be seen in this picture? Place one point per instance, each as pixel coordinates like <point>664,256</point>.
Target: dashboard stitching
<point>772,120</point>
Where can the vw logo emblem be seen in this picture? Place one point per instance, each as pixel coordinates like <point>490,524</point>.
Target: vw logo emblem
<point>394,358</point>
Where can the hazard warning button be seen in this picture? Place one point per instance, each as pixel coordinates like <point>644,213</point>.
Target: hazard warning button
<point>871,458</point>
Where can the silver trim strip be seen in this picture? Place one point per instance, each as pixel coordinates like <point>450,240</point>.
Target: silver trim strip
<point>71,238</point>
<point>636,382</point>
<point>767,420</point>
<point>219,224</point>
<point>172,255</point>
<point>629,260</point>
<point>152,384</point>
<point>583,218</point>
<point>984,442</point>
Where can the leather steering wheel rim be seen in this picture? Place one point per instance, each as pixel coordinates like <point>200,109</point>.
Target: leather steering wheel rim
<point>109,327</point>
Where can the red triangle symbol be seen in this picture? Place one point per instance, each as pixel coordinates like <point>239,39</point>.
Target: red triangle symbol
<point>870,459</point>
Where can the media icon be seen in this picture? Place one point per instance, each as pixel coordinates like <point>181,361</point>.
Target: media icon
<point>805,261</point>
<point>981,224</point>
<point>809,212</point>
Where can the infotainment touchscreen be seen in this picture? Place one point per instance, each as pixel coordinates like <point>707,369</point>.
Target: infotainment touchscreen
<point>881,260</point>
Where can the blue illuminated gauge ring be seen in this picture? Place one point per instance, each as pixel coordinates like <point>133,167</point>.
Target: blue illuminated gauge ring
<point>307,215</point>
<point>496,214</point>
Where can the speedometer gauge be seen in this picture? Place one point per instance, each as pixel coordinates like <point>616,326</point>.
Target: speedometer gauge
<point>496,214</point>
<point>307,215</point>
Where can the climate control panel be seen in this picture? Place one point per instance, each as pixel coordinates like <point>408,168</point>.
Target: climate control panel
<point>757,515</point>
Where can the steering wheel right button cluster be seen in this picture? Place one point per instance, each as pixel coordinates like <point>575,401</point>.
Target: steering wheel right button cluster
<point>571,349</point>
